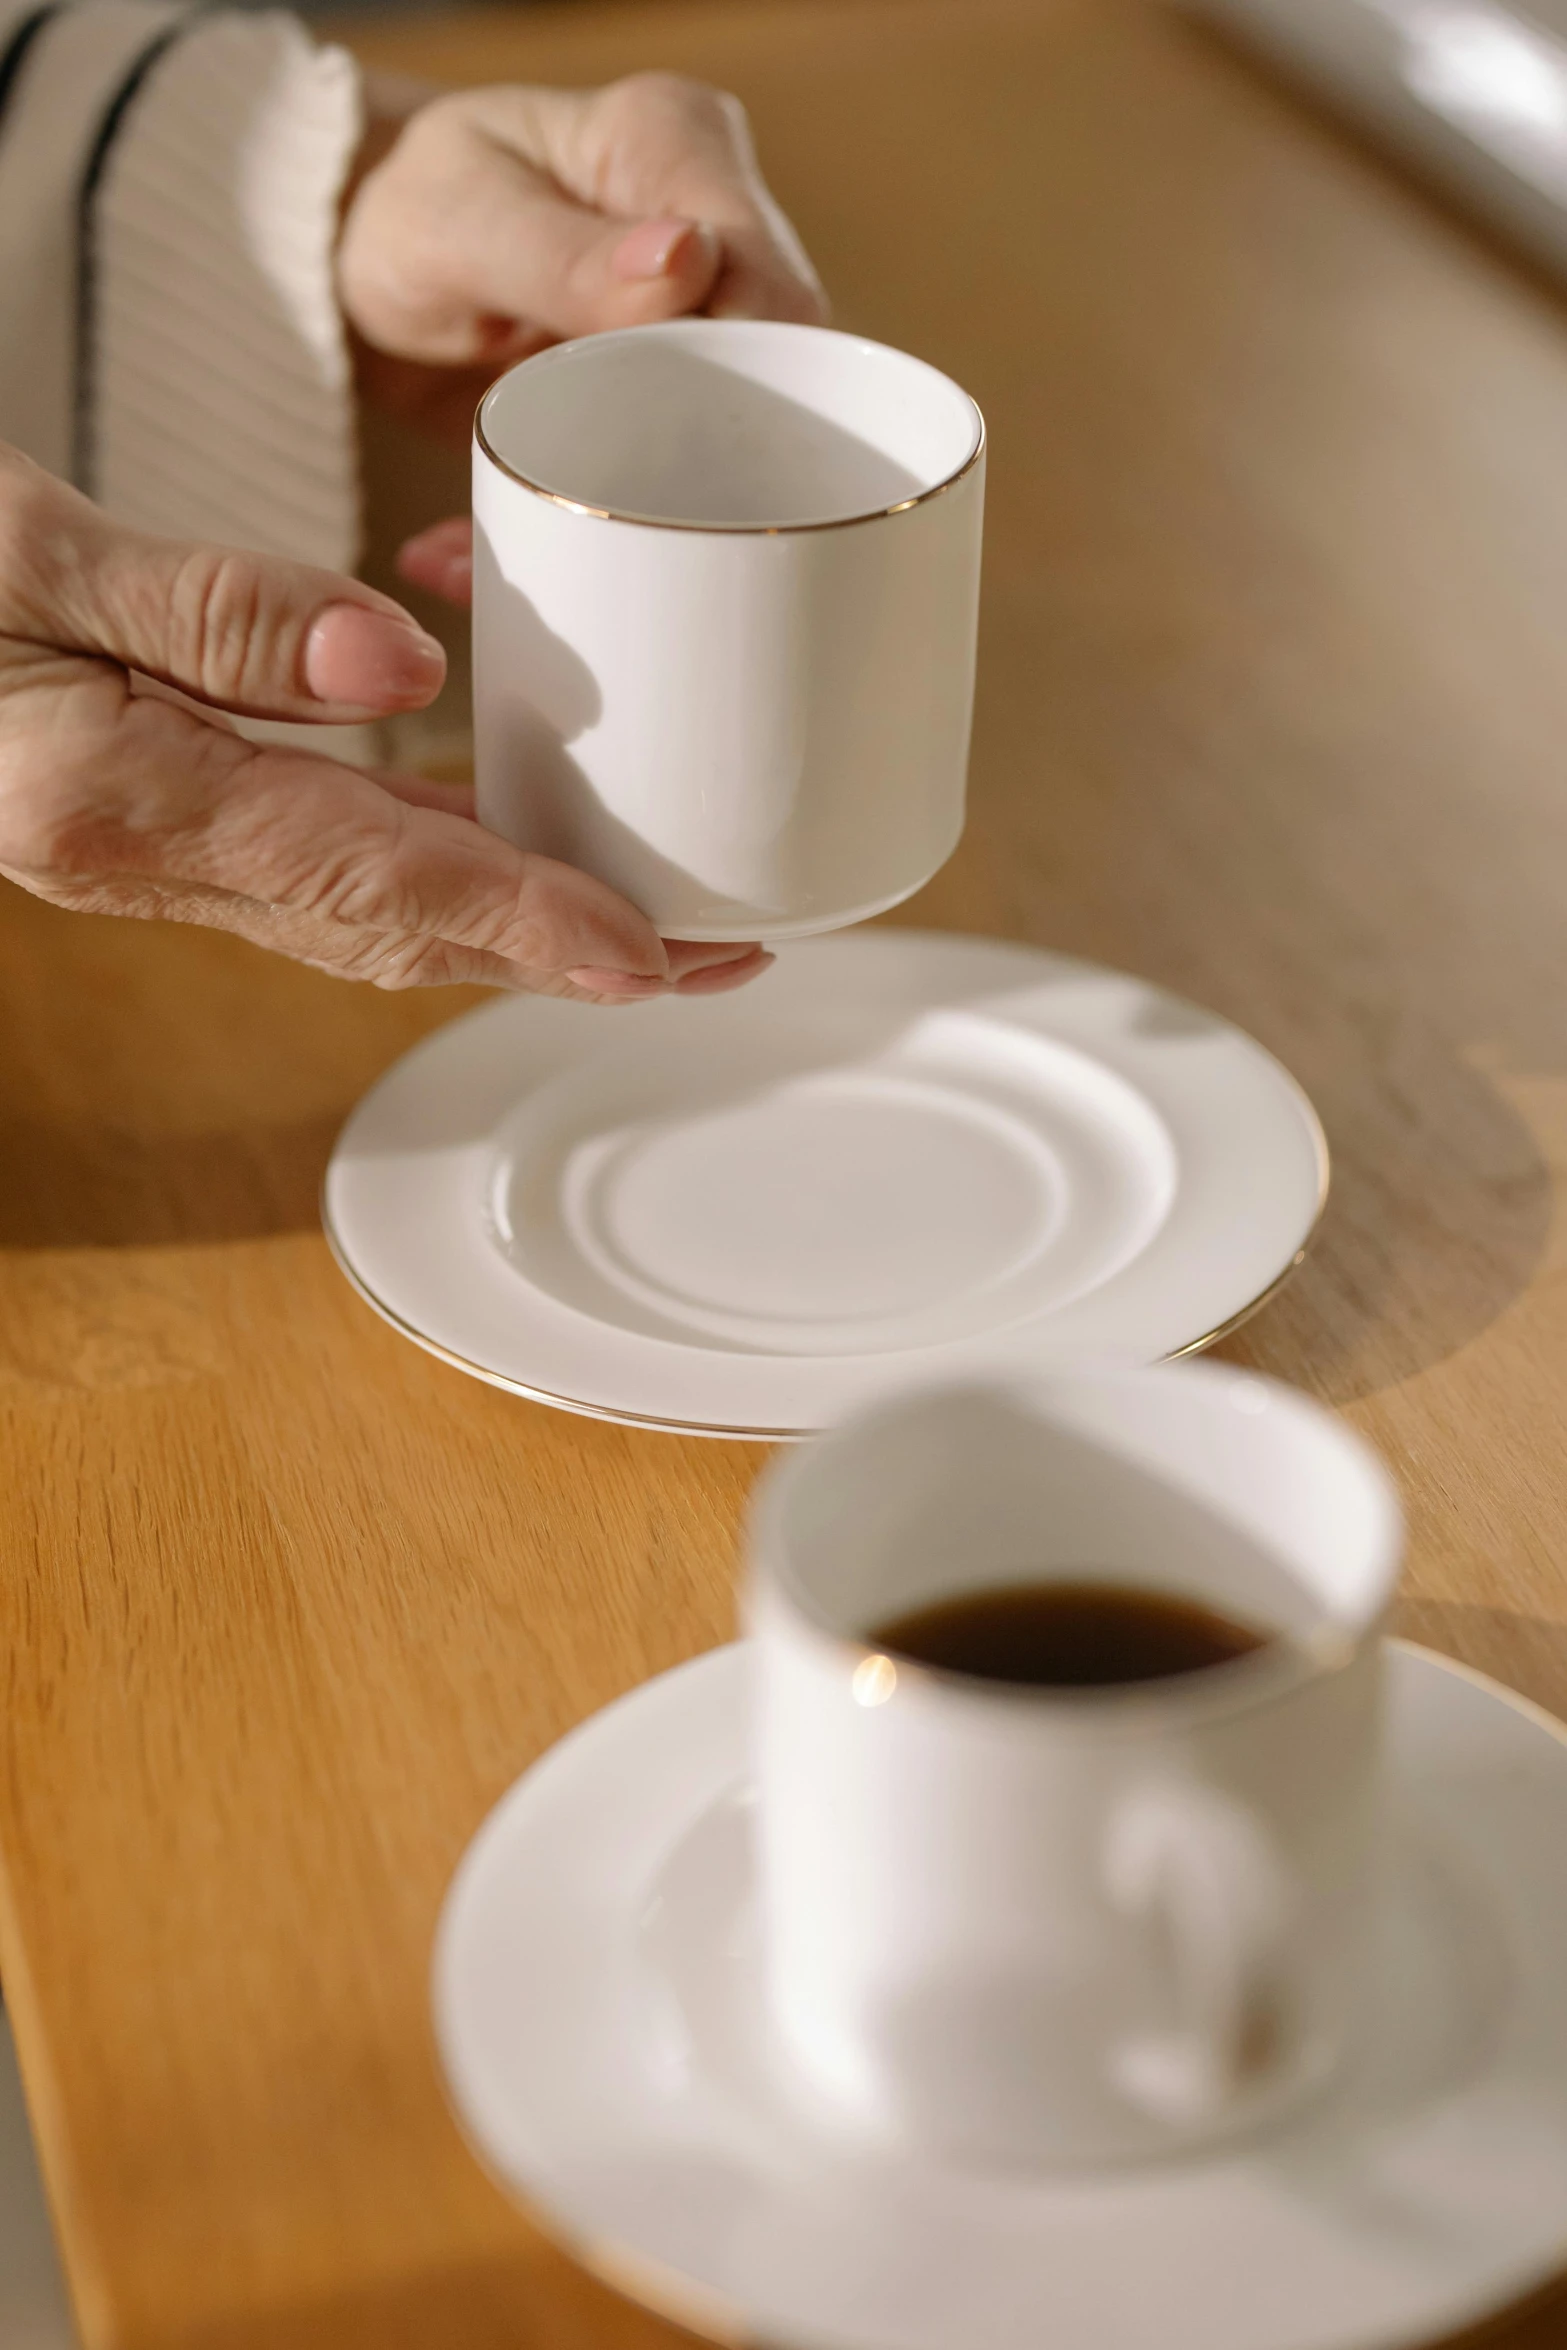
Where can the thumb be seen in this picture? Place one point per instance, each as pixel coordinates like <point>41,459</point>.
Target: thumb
<point>251,633</point>
<point>572,271</point>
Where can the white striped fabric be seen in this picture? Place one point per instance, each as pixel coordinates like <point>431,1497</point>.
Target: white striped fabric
<point>206,382</point>
<point>65,85</point>
<point>221,397</point>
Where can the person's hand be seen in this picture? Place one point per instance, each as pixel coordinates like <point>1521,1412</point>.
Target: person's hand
<point>498,221</point>
<point>118,798</point>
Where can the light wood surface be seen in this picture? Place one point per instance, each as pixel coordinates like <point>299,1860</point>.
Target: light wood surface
<point>1273,709</point>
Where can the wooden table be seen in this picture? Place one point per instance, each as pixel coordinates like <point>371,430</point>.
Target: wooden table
<point>1274,709</point>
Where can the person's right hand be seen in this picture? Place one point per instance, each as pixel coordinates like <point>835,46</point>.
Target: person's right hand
<point>116,798</point>
<point>483,225</point>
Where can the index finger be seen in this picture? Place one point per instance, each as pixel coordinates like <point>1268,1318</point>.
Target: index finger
<point>174,799</point>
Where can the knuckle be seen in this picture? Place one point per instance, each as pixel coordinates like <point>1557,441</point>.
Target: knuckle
<point>418,167</point>
<point>421,962</point>
<point>676,95</point>
<point>386,959</point>
<point>348,876</point>
<point>432,127</point>
<point>415,266</point>
<point>730,115</point>
<point>217,621</point>
<point>327,883</point>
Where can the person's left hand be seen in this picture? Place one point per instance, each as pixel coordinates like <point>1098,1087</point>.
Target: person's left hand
<point>488,224</point>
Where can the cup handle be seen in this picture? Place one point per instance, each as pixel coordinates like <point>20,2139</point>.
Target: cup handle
<point>1201,1871</point>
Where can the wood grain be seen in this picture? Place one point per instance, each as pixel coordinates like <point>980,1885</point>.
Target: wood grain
<point>1273,709</point>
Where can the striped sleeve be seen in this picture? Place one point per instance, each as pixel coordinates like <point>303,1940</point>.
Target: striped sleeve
<point>169,335</point>
<point>63,71</point>
<point>217,398</point>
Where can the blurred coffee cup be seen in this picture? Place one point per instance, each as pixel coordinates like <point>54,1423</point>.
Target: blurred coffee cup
<point>1067,1724</point>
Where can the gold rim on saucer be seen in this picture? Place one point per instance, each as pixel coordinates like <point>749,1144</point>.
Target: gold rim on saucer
<point>624,1419</point>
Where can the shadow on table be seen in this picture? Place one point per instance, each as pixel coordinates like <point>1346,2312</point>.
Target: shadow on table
<point>111,1187</point>
<point>1434,1226</point>
<point>534,2300</point>
<point>1438,1217</point>
<point>165,1085</point>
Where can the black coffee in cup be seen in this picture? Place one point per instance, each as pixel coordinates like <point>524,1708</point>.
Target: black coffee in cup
<point>1061,1635</point>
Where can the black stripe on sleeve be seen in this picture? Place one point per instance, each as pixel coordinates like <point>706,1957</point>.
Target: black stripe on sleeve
<point>14,55</point>
<point>83,451</point>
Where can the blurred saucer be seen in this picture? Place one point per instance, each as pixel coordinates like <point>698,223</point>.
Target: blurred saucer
<point>596,2004</point>
<point>901,1156</point>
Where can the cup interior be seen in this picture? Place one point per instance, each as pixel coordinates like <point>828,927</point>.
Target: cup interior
<point>723,424</point>
<point>1204,1484</point>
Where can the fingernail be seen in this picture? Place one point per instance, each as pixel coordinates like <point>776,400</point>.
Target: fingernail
<point>654,246</point>
<point>715,977</point>
<point>625,983</point>
<point>361,658</point>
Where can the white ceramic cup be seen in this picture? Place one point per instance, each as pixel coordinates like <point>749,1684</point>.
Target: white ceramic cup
<point>726,586</point>
<point>1073,1925</point>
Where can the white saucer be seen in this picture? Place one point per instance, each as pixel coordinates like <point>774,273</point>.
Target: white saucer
<point>900,1156</point>
<point>596,2010</point>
